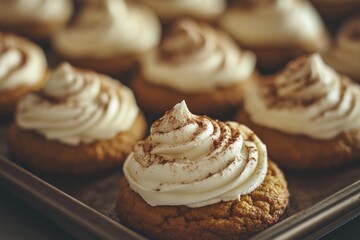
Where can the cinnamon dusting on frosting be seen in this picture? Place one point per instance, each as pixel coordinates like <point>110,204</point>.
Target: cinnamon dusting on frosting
<point>22,63</point>
<point>203,160</point>
<point>77,107</point>
<point>307,97</point>
<point>195,57</point>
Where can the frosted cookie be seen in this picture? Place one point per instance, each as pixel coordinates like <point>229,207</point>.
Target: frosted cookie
<point>37,19</point>
<point>108,36</point>
<point>23,69</point>
<point>199,178</point>
<point>81,122</point>
<point>308,115</point>
<point>276,30</point>
<point>195,62</point>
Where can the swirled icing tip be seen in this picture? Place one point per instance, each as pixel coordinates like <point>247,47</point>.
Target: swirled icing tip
<point>308,68</point>
<point>315,60</point>
<point>8,60</point>
<point>318,69</point>
<point>62,75</point>
<point>173,119</point>
<point>63,71</point>
<point>184,32</point>
<point>112,6</point>
<point>314,64</point>
<point>64,67</point>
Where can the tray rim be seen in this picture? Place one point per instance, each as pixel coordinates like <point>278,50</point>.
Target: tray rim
<point>74,216</point>
<point>68,212</point>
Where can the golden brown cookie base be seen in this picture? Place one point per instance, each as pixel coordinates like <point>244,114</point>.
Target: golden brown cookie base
<point>272,58</point>
<point>335,12</point>
<point>9,99</point>
<point>35,31</point>
<point>156,100</point>
<point>300,152</point>
<point>225,220</point>
<point>33,150</point>
<point>117,67</point>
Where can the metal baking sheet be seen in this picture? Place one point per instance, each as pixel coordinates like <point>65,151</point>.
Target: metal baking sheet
<point>84,206</point>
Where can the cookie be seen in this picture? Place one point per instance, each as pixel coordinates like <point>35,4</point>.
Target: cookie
<point>23,70</point>
<point>219,102</point>
<point>195,177</point>
<point>108,36</point>
<point>238,219</point>
<point>197,63</point>
<point>307,114</point>
<point>276,32</point>
<point>300,152</point>
<point>34,19</point>
<point>38,153</point>
<point>81,122</point>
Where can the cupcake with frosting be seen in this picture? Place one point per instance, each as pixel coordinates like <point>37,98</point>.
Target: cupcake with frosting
<point>199,9</point>
<point>344,56</point>
<point>37,19</point>
<point>308,115</point>
<point>276,31</point>
<point>334,11</point>
<point>201,179</point>
<point>108,36</point>
<point>81,122</point>
<point>23,69</point>
<point>195,62</point>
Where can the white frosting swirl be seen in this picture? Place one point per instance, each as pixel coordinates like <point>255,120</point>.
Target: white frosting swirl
<point>195,161</point>
<point>204,9</point>
<point>22,63</point>
<point>195,57</point>
<point>307,98</point>
<point>345,55</point>
<point>108,28</point>
<point>35,11</point>
<point>274,22</point>
<point>78,107</point>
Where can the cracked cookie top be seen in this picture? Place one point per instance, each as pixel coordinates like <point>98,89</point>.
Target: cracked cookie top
<point>195,161</point>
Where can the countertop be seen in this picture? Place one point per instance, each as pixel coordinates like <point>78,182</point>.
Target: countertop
<point>19,221</point>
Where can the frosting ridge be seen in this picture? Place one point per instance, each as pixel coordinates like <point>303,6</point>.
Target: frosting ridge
<point>78,107</point>
<point>108,28</point>
<point>196,57</point>
<point>269,23</point>
<point>22,63</point>
<point>35,11</point>
<point>307,97</point>
<point>195,161</point>
<point>195,8</point>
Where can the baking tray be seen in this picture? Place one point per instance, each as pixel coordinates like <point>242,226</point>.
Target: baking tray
<point>84,206</point>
